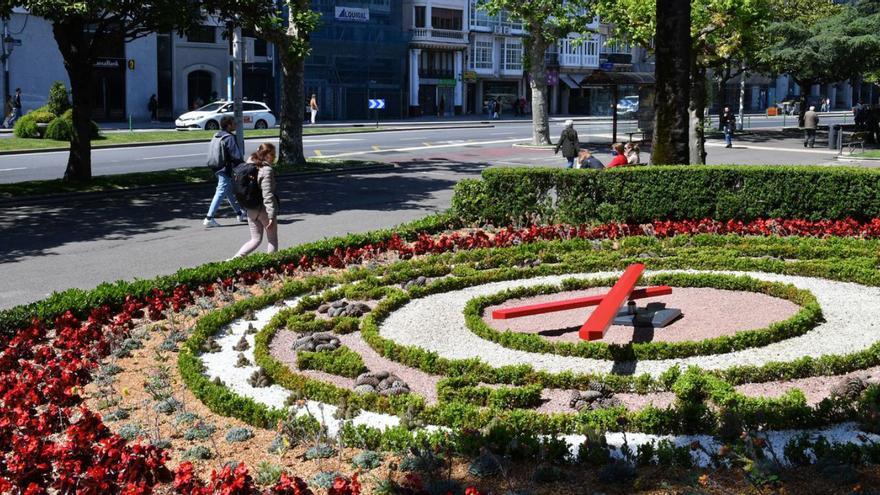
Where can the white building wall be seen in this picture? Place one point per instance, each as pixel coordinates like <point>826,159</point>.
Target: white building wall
<point>142,81</point>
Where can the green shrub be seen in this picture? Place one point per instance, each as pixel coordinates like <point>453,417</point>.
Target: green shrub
<point>58,101</point>
<point>61,128</point>
<point>341,362</point>
<point>644,194</point>
<point>26,126</point>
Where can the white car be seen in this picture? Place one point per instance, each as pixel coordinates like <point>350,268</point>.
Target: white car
<point>256,116</point>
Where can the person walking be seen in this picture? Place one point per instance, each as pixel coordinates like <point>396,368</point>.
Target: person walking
<point>313,107</point>
<point>496,110</point>
<point>811,122</point>
<point>223,155</point>
<point>16,107</point>
<point>263,217</point>
<point>619,155</point>
<point>568,143</point>
<point>153,107</point>
<point>728,124</point>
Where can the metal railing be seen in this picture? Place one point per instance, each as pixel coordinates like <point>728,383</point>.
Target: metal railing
<point>430,34</point>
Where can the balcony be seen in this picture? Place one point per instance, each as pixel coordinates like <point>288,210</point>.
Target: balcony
<point>436,73</point>
<point>441,36</point>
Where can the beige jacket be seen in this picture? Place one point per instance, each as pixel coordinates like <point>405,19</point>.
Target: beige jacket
<point>266,179</point>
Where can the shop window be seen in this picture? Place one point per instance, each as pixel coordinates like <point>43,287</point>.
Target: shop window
<point>202,34</point>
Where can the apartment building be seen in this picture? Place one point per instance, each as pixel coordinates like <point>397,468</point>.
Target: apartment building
<point>495,60</point>
<point>437,49</point>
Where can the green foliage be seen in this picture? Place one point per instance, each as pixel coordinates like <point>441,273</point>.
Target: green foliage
<point>58,101</point>
<point>61,128</point>
<point>367,460</point>
<point>198,453</point>
<point>341,362</point>
<point>268,474</point>
<point>320,451</point>
<point>239,434</point>
<point>645,194</point>
<point>26,126</point>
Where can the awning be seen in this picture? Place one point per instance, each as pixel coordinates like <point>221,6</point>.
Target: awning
<point>601,77</point>
<point>569,81</point>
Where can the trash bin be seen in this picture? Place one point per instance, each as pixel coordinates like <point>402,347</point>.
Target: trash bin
<point>833,129</point>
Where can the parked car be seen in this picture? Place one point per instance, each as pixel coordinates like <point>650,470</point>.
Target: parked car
<point>257,115</point>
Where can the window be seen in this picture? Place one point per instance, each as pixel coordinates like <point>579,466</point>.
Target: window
<point>261,48</point>
<point>252,107</point>
<point>479,17</point>
<point>449,19</point>
<point>513,55</point>
<point>202,34</point>
<point>481,53</point>
<point>420,16</point>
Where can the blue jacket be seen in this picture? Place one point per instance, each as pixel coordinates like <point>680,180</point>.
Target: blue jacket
<point>223,152</point>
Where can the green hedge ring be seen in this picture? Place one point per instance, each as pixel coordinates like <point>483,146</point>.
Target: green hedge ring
<point>802,322</point>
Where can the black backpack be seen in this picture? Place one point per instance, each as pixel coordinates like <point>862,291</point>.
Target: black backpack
<point>245,185</point>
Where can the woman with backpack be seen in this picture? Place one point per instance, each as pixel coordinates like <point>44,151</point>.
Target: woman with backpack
<point>262,215</point>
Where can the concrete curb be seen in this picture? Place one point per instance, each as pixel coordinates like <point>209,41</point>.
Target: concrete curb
<point>196,141</point>
<point>57,198</point>
<point>535,146</point>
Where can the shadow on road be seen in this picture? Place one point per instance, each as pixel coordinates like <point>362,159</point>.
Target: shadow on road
<point>36,230</point>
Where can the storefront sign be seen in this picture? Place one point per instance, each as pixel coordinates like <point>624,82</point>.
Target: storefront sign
<point>352,14</point>
<point>109,63</point>
<point>470,76</point>
<point>446,83</point>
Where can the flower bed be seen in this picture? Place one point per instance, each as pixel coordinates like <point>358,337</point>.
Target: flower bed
<point>52,350</point>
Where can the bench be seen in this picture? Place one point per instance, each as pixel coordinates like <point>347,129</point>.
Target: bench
<point>644,135</point>
<point>856,141</point>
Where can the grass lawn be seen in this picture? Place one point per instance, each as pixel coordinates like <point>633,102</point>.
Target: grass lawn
<point>115,138</point>
<point>870,154</point>
<point>141,179</point>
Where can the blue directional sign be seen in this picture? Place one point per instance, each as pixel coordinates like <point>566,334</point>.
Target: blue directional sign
<point>378,104</point>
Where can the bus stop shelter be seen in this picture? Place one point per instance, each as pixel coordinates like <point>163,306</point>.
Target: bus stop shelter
<point>613,80</point>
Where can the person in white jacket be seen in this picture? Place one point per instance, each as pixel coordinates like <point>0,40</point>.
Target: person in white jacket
<point>265,217</point>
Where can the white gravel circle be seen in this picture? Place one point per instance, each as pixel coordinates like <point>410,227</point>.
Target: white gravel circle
<point>436,323</point>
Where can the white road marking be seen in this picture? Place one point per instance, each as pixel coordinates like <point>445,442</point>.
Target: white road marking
<point>172,156</point>
<point>736,146</point>
<point>12,169</point>
<point>418,148</point>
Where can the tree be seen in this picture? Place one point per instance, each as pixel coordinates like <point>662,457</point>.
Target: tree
<point>546,21</point>
<point>79,29</point>
<point>823,50</point>
<point>672,97</point>
<point>289,29</point>
<point>724,34</point>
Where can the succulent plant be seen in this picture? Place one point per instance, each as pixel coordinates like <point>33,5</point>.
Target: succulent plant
<point>279,445</point>
<point>260,379</point>
<point>199,452</point>
<point>267,473</point>
<point>320,451</point>
<point>110,369</point>
<point>199,431</point>
<point>185,418</point>
<point>548,473</point>
<point>325,479</point>
<point>419,461</point>
<point>116,415</point>
<point>168,346</point>
<point>131,431</point>
<point>485,466</point>
<point>617,472</point>
<point>161,443</point>
<point>239,434</point>
<point>242,361</point>
<point>167,406</point>
<point>242,344</point>
<point>367,460</point>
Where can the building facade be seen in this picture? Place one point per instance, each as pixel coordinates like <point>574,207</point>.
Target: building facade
<point>358,53</point>
<point>436,59</point>
<point>494,61</point>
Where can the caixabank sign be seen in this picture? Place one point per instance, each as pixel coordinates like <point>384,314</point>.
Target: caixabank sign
<point>352,14</point>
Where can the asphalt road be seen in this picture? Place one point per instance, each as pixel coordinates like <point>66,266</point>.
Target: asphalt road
<point>84,242</point>
<point>378,145</point>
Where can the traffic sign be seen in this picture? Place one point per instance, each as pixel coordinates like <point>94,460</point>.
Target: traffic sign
<point>377,104</point>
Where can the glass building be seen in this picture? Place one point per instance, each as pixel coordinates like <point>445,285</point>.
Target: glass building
<point>358,52</point>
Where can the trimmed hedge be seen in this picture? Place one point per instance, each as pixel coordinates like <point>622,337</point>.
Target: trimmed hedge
<point>644,194</point>
<point>341,362</point>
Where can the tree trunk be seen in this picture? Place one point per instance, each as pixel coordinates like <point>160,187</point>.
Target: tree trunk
<point>673,54</point>
<point>540,118</point>
<point>697,116</point>
<point>75,50</point>
<point>293,100</point>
